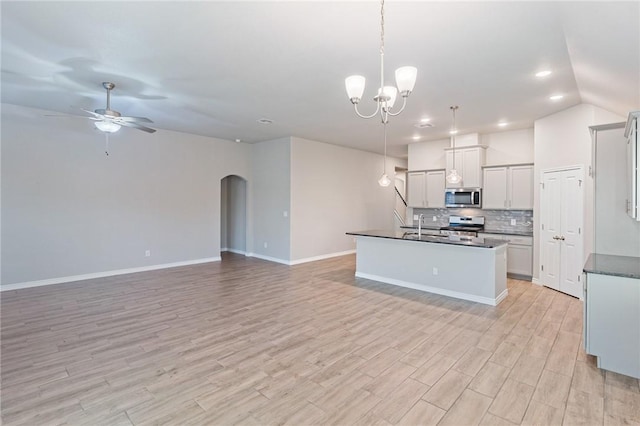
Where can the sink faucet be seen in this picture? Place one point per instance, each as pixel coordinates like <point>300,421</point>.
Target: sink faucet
<point>420,225</point>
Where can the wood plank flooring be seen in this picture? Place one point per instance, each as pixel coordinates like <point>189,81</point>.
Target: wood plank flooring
<point>244,341</point>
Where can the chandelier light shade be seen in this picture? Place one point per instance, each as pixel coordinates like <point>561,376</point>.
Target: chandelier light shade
<point>453,177</point>
<point>386,95</point>
<point>107,126</point>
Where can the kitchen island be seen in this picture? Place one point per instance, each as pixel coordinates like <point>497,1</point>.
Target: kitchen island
<point>466,268</point>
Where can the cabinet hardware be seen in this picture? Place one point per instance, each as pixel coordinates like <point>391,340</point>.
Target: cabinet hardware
<point>542,267</point>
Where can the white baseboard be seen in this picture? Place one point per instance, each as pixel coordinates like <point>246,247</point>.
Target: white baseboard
<point>436,290</point>
<point>536,281</point>
<point>321,257</point>
<point>82,277</point>
<point>299,261</point>
<point>269,258</point>
<point>230,250</point>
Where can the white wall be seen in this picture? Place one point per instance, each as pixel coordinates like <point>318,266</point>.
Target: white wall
<point>615,232</point>
<point>271,162</point>
<point>67,209</point>
<point>563,139</point>
<point>508,147</point>
<point>427,155</point>
<point>335,190</point>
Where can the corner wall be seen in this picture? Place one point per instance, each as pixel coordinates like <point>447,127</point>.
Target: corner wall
<point>335,190</point>
<point>271,163</point>
<point>560,140</point>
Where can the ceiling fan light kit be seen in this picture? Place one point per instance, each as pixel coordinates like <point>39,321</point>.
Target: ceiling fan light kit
<point>386,96</point>
<point>109,121</point>
<point>107,126</point>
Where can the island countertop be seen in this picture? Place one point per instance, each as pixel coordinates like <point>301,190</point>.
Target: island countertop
<point>437,239</point>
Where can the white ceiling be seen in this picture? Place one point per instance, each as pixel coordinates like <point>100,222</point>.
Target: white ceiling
<point>214,68</point>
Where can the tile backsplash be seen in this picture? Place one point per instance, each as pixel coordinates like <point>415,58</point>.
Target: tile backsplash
<point>493,219</point>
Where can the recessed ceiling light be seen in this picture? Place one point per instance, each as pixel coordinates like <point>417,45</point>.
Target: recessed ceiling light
<point>543,73</point>
<point>453,132</point>
<point>416,137</point>
<point>238,140</point>
<point>265,121</point>
<point>556,97</point>
<point>425,120</point>
<point>502,123</point>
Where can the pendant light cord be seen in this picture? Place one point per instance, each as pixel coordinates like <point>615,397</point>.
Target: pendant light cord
<point>453,136</point>
<point>384,165</point>
<point>381,45</point>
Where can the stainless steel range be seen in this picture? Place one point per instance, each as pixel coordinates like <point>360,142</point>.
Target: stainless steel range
<point>468,226</point>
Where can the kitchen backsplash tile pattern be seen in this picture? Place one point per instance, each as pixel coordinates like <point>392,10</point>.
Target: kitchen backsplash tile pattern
<point>499,220</point>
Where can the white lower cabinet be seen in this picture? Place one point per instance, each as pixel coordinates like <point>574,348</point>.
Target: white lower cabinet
<point>519,253</point>
<point>612,322</point>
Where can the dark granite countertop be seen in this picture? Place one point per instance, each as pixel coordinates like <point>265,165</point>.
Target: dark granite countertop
<point>438,239</point>
<point>606,264</point>
<point>507,232</point>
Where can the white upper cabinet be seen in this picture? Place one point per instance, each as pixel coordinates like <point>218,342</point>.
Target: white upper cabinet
<point>426,189</point>
<point>508,187</point>
<point>415,189</point>
<point>494,195</point>
<point>434,188</point>
<point>468,162</point>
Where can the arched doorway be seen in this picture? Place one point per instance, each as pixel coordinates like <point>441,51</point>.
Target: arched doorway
<point>233,214</point>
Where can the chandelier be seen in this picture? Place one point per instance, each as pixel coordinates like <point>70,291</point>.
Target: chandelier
<point>386,96</point>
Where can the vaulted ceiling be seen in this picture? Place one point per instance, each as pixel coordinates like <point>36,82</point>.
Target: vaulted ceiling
<point>215,68</point>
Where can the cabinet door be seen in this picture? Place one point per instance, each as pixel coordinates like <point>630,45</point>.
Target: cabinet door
<point>520,259</point>
<point>434,189</point>
<point>415,189</point>
<point>471,170</point>
<point>494,195</point>
<point>458,165</point>
<point>520,188</point>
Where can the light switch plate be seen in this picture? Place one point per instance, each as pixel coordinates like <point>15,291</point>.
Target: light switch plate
<point>513,222</point>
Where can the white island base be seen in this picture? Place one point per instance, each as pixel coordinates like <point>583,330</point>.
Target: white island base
<point>478,274</point>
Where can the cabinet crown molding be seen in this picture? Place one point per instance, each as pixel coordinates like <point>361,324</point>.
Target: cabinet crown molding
<point>460,148</point>
<point>488,166</point>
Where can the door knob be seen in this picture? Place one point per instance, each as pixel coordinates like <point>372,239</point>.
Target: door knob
<point>562,238</point>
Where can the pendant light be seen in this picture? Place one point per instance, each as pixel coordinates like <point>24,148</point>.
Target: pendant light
<point>453,177</point>
<point>384,180</point>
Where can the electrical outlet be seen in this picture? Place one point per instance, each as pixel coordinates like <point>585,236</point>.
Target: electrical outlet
<point>147,253</point>
<point>415,217</point>
<point>435,219</point>
<point>266,245</point>
<point>435,271</point>
<point>285,214</point>
<point>513,222</point>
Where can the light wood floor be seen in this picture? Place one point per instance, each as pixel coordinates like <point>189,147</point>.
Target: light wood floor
<point>251,342</point>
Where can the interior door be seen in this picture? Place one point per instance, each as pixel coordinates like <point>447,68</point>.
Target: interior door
<point>571,252</point>
<point>550,220</point>
<point>562,213</point>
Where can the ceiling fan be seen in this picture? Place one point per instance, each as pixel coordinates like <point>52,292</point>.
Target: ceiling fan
<point>109,121</point>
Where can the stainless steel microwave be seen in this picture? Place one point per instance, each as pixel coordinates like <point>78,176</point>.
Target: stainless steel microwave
<point>463,197</point>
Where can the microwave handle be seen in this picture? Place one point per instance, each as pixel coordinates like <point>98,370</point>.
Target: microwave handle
<point>473,197</point>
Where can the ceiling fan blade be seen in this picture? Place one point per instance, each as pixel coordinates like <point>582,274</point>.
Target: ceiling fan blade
<point>100,116</point>
<point>135,119</point>
<point>134,125</point>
